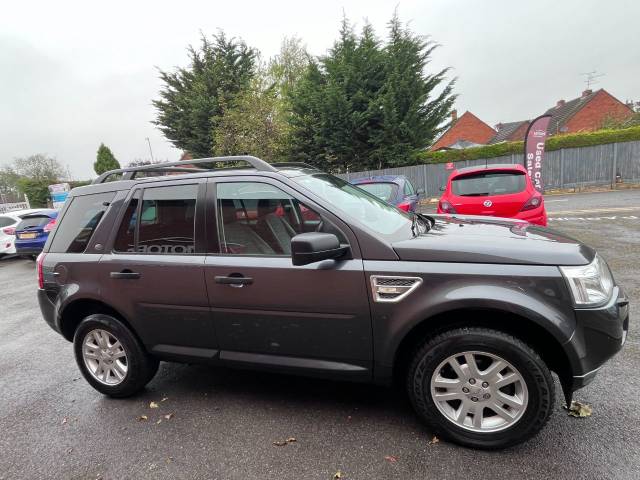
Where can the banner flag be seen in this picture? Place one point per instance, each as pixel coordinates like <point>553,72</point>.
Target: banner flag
<point>534,149</point>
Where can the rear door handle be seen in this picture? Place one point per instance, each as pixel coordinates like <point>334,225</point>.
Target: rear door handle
<point>234,280</point>
<point>125,275</point>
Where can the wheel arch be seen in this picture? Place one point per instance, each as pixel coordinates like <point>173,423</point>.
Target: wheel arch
<point>79,309</point>
<point>527,330</point>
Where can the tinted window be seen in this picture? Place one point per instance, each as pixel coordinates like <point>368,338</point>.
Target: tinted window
<point>259,219</point>
<point>384,191</point>
<point>125,240</point>
<point>6,221</point>
<point>489,183</point>
<point>79,222</point>
<point>167,222</point>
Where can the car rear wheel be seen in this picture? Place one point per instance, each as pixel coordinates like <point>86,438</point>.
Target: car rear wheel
<point>481,388</point>
<point>110,357</point>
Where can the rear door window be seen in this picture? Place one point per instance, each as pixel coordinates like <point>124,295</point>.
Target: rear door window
<point>488,183</point>
<point>384,191</point>
<point>167,222</point>
<point>79,222</point>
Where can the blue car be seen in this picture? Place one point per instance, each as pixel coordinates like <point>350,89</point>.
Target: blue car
<point>394,189</point>
<point>32,232</point>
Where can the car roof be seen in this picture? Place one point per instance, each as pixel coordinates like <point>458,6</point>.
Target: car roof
<point>490,167</point>
<point>21,213</point>
<point>379,179</point>
<point>287,169</point>
<point>47,212</point>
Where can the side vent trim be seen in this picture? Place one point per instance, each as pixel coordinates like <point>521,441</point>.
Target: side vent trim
<point>391,288</point>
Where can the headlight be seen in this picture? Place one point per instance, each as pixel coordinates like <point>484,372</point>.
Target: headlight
<point>589,284</point>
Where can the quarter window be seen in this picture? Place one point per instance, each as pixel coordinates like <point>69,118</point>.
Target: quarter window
<point>79,222</point>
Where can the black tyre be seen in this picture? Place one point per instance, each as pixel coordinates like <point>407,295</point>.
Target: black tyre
<point>480,388</point>
<point>111,358</point>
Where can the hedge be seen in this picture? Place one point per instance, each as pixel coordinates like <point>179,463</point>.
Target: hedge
<point>571,140</point>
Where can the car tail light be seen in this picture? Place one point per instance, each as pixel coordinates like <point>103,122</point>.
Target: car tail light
<point>39,262</point>
<point>533,202</point>
<point>404,206</point>
<point>446,207</point>
<point>49,226</point>
<point>9,230</point>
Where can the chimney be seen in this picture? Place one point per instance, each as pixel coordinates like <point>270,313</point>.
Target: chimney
<point>560,103</point>
<point>587,92</point>
<point>454,115</point>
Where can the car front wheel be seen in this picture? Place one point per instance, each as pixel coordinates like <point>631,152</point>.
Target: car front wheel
<point>481,388</point>
<point>111,358</point>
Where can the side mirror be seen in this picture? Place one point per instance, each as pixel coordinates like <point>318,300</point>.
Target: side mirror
<point>420,191</point>
<point>313,247</point>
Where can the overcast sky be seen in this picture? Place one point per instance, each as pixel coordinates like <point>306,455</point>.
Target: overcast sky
<point>74,74</point>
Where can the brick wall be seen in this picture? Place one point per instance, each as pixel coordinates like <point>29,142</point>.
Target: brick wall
<point>602,107</point>
<point>467,127</point>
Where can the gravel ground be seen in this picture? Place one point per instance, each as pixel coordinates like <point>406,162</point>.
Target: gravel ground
<point>224,422</point>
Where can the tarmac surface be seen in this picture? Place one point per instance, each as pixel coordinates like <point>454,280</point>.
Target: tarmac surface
<point>214,423</point>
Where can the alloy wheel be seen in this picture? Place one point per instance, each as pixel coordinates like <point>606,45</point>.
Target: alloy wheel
<point>105,357</point>
<point>479,391</point>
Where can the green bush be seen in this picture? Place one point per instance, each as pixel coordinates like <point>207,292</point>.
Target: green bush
<point>572,140</point>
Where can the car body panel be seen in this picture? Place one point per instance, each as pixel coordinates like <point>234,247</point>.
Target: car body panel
<point>474,239</point>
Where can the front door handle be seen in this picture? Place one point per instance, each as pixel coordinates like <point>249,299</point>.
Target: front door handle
<point>125,275</point>
<point>234,280</point>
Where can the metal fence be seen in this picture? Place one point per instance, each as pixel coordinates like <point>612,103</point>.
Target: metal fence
<point>599,165</point>
<point>10,207</point>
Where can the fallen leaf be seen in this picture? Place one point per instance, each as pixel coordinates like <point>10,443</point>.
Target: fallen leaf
<point>391,458</point>
<point>337,475</point>
<point>434,440</point>
<point>579,409</point>
<point>143,418</point>
<point>169,416</point>
<point>153,405</point>
<point>291,439</point>
<point>64,420</point>
<point>159,422</point>
<point>169,459</point>
<point>164,399</point>
<point>280,443</point>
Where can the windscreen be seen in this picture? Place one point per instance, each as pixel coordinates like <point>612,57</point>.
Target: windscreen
<point>488,183</point>
<point>385,191</point>
<point>362,206</point>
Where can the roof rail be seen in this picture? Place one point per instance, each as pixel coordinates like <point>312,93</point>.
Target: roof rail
<point>129,173</point>
<point>293,164</point>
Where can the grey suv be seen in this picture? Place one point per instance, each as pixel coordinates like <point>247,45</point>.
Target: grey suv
<point>285,268</point>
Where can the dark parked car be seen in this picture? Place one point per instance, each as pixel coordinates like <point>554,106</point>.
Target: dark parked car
<point>285,268</point>
<point>32,232</point>
<point>394,189</point>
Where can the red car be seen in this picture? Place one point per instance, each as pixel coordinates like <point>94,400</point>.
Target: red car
<point>494,190</point>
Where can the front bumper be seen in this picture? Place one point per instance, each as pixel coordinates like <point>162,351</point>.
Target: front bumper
<point>600,334</point>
